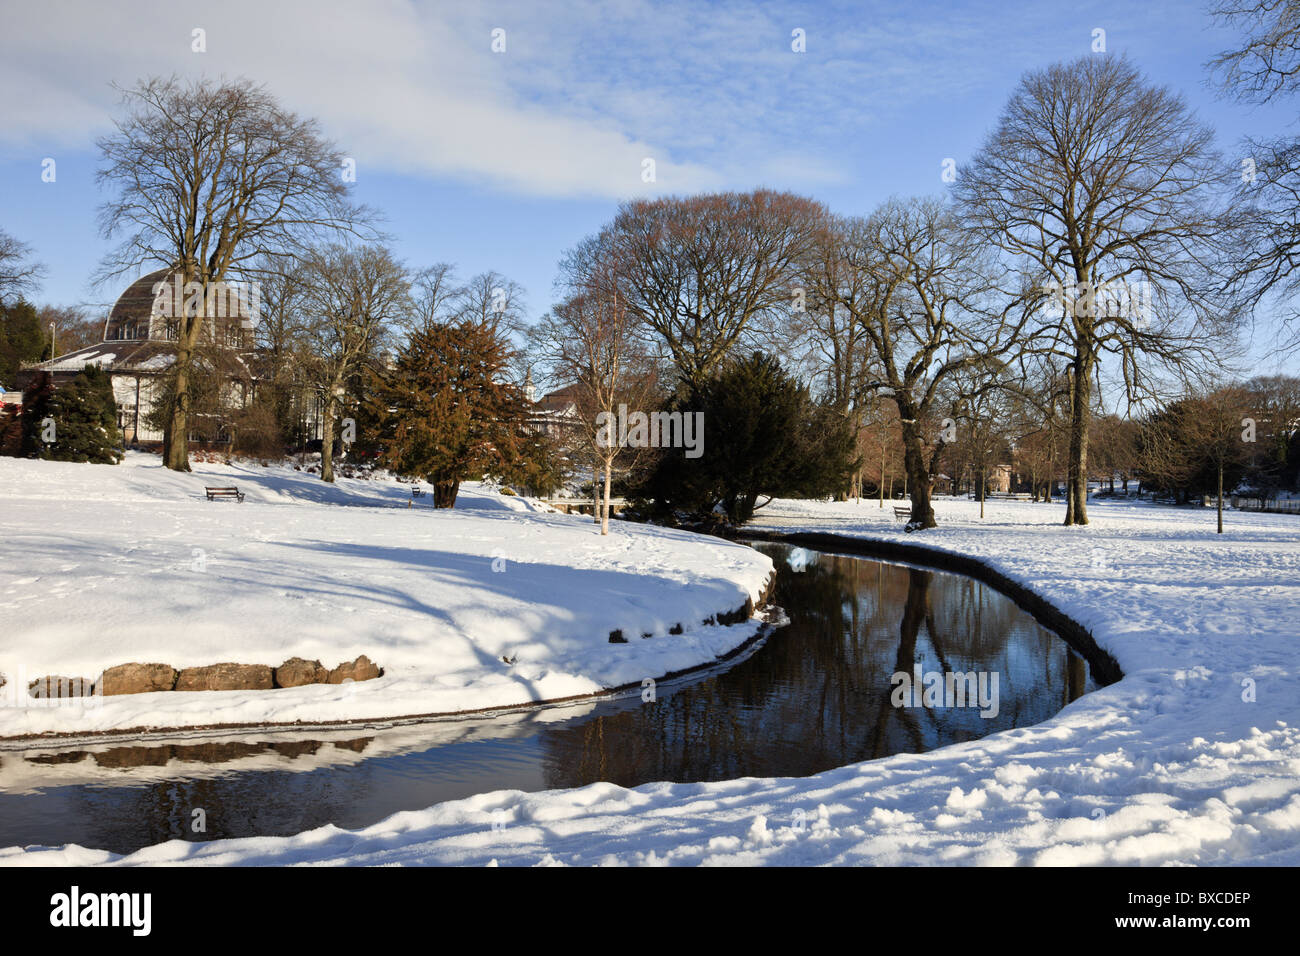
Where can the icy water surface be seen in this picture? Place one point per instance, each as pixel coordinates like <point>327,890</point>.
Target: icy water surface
<point>815,695</point>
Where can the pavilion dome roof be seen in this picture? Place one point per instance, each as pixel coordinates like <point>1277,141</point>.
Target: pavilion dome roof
<point>135,305</point>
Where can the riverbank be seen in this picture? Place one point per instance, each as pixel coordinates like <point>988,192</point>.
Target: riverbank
<point>496,603</point>
<point>1192,758</point>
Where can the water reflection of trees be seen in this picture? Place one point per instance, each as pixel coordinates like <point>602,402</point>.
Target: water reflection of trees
<point>122,817</point>
<point>817,696</point>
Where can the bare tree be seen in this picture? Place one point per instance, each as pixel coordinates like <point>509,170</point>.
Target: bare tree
<point>1266,67</point>
<point>1107,188</point>
<point>210,177</point>
<point>697,270</point>
<point>73,327</point>
<point>1276,403</point>
<point>1267,64</point>
<point>838,347</point>
<point>491,300</point>
<point>350,296</point>
<point>19,275</point>
<point>982,411</point>
<point>921,291</point>
<point>1042,417</point>
<point>879,445</point>
<point>1115,444</point>
<point>433,296</point>
<point>1216,430</point>
<point>592,341</point>
<point>280,384</point>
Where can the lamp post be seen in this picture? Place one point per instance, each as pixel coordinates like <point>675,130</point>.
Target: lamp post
<point>52,342</point>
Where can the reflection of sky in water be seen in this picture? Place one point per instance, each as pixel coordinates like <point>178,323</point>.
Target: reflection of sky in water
<point>799,558</point>
<point>815,695</point>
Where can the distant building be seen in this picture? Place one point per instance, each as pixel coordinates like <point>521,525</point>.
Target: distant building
<point>555,412</point>
<point>999,480</point>
<point>138,350</point>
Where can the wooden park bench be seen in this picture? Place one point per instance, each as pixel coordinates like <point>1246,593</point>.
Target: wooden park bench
<point>903,512</point>
<point>417,492</point>
<point>231,492</point>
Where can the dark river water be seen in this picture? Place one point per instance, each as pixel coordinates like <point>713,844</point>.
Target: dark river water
<point>816,694</point>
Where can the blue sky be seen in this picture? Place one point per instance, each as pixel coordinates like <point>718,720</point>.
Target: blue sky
<point>502,160</point>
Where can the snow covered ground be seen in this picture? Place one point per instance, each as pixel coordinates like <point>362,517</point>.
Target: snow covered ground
<point>1177,763</point>
<point>104,565</point>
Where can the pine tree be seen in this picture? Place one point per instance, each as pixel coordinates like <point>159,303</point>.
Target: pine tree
<point>445,413</point>
<point>762,435</point>
<point>11,432</point>
<point>36,409</point>
<point>22,339</point>
<point>84,418</point>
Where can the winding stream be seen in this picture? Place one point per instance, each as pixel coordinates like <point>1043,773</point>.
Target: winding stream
<point>816,694</point>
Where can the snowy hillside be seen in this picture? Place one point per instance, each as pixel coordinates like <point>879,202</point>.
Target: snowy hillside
<point>107,565</point>
<point>1179,762</point>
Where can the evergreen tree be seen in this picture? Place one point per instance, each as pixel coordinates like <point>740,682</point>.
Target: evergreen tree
<point>22,339</point>
<point>445,413</point>
<point>36,409</point>
<point>11,431</point>
<point>763,435</point>
<point>84,418</point>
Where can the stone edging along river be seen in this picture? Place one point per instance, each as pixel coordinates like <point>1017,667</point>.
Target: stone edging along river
<point>739,614</point>
<point>1101,663</point>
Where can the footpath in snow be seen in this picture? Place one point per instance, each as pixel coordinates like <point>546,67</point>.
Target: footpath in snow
<point>1192,758</point>
<point>105,565</point>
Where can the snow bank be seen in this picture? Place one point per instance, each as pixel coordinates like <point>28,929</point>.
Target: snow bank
<point>1173,764</point>
<point>105,565</point>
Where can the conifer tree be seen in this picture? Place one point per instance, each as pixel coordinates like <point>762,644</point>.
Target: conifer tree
<point>36,409</point>
<point>11,431</point>
<point>762,435</point>
<point>22,339</point>
<point>446,413</point>
<point>83,416</point>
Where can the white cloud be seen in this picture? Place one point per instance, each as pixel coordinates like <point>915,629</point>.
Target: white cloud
<point>584,92</point>
<point>396,86</point>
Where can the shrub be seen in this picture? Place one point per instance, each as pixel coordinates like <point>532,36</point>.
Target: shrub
<point>763,435</point>
<point>84,418</point>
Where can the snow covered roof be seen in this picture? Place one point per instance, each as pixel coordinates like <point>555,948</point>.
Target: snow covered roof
<point>112,356</point>
<point>563,402</point>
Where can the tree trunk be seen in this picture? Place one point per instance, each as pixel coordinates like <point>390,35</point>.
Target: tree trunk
<point>176,438</point>
<point>327,441</point>
<point>882,481</point>
<point>1076,491</point>
<point>917,474</point>
<point>604,511</point>
<point>1220,496</point>
<point>445,491</point>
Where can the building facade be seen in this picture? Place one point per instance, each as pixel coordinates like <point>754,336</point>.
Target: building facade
<point>138,352</point>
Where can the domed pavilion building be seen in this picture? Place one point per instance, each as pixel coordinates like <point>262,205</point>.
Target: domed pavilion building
<point>138,352</point>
